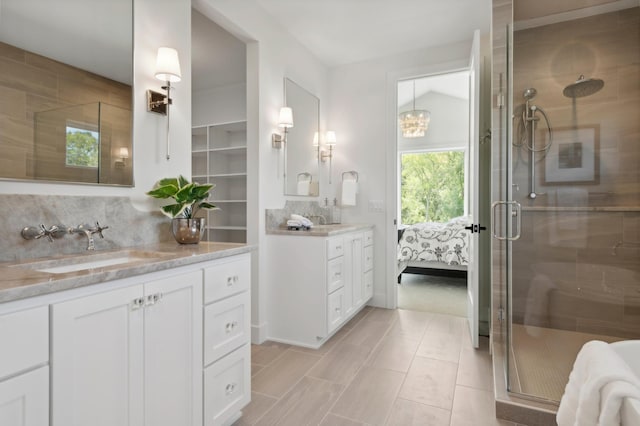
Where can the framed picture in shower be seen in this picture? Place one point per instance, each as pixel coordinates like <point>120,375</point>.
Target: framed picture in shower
<point>573,156</point>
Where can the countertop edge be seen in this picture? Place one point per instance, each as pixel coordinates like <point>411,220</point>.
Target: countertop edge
<point>54,283</point>
<point>342,229</point>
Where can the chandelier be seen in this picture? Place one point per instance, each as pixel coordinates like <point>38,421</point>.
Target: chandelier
<point>414,123</point>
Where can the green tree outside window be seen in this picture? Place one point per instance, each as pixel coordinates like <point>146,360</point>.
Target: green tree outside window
<point>432,188</point>
<point>82,148</point>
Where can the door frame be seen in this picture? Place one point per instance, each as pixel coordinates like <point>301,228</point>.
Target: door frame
<point>393,185</point>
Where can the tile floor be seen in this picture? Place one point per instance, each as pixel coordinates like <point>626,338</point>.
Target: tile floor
<point>384,367</point>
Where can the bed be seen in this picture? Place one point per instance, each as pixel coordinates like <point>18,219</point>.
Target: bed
<point>433,246</point>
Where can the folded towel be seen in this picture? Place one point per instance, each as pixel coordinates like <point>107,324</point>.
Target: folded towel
<point>349,191</point>
<point>598,384</point>
<point>292,222</point>
<point>303,187</point>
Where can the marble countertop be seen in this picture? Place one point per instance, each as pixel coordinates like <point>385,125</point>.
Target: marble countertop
<point>23,279</point>
<point>322,230</point>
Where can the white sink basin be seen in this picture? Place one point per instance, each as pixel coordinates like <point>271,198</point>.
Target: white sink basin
<point>93,261</point>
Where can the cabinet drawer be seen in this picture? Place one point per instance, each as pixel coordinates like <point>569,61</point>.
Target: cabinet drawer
<point>368,238</point>
<point>368,258</point>
<point>25,340</point>
<point>24,399</point>
<point>335,274</point>
<point>368,285</point>
<point>335,247</point>
<point>227,278</point>
<point>226,326</point>
<point>227,386</point>
<point>335,309</point>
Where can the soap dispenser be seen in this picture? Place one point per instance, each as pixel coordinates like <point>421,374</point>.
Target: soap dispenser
<point>335,212</point>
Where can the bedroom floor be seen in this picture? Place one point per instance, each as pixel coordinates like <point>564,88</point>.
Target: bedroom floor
<point>429,293</point>
<point>384,367</point>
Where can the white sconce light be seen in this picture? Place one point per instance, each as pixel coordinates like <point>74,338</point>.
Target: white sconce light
<point>123,153</point>
<point>285,121</point>
<point>167,70</point>
<point>330,140</point>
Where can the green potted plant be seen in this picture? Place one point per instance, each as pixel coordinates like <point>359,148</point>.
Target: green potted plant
<point>189,197</point>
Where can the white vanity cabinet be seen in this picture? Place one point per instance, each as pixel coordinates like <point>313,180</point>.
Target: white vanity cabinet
<point>317,283</point>
<point>24,371</point>
<point>129,356</point>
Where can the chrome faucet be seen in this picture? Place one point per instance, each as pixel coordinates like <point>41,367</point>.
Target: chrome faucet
<point>37,232</point>
<point>88,231</point>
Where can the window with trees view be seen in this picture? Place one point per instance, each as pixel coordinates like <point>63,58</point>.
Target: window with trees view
<point>82,147</point>
<point>432,186</point>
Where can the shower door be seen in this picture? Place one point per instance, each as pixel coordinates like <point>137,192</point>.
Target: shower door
<point>572,187</point>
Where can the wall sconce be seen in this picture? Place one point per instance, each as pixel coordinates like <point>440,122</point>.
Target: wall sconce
<point>123,153</point>
<point>285,121</point>
<point>167,70</point>
<point>330,140</point>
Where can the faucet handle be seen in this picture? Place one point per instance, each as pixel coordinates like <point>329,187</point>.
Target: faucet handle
<point>99,229</point>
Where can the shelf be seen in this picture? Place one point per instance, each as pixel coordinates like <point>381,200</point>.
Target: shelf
<point>228,228</point>
<point>225,175</point>
<point>228,148</point>
<point>229,201</point>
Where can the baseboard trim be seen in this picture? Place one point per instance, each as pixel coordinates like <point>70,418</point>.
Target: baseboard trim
<point>258,333</point>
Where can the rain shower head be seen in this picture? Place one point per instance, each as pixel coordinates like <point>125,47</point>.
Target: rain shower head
<point>530,93</point>
<point>583,87</point>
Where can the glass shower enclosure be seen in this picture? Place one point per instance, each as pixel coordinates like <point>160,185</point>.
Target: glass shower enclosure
<point>568,227</point>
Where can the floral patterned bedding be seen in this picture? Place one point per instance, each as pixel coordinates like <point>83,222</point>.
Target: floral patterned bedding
<point>436,242</point>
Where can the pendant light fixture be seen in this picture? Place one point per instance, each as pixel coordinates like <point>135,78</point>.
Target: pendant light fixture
<point>414,123</point>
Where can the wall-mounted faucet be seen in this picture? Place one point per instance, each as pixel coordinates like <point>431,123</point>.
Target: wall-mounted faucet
<point>88,231</point>
<point>59,231</point>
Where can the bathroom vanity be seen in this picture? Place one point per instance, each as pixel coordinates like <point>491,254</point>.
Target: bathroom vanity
<point>128,342</point>
<point>320,279</point>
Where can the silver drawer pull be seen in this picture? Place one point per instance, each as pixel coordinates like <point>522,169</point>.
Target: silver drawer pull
<point>230,388</point>
<point>337,309</point>
<point>338,274</point>
<point>338,247</point>
<point>232,280</point>
<point>230,326</point>
<point>137,303</point>
<point>152,299</point>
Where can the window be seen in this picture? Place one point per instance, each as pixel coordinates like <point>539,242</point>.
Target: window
<point>432,186</point>
<point>82,147</point>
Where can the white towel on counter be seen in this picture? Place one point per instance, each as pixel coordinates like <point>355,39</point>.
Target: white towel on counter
<point>349,191</point>
<point>598,384</point>
<point>303,187</point>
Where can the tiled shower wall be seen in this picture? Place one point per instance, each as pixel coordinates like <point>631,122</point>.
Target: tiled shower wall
<point>577,264</point>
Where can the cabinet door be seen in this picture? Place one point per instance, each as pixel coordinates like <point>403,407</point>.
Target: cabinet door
<point>226,326</point>
<point>173,350</point>
<point>97,360</point>
<point>335,309</point>
<point>24,399</point>
<point>227,387</point>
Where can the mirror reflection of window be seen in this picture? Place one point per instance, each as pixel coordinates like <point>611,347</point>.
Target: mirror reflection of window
<point>82,147</point>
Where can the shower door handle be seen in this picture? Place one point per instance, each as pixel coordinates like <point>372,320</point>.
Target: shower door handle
<point>517,213</point>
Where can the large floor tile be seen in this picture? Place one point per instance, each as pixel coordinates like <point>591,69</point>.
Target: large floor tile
<point>341,363</point>
<point>306,403</point>
<point>333,420</point>
<point>409,413</point>
<point>258,406</point>
<point>475,369</point>
<point>367,333</point>
<point>394,353</point>
<point>370,396</point>
<point>439,345</point>
<point>327,346</point>
<point>381,314</point>
<point>280,376</point>
<point>448,324</point>
<point>431,382</point>
<point>267,352</point>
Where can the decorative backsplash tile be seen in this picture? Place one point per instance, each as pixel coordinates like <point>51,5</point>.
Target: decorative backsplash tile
<point>276,218</point>
<point>127,226</point>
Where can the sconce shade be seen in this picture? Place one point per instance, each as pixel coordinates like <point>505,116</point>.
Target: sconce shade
<point>331,138</point>
<point>286,117</point>
<point>124,152</point>
<point>168,65</point>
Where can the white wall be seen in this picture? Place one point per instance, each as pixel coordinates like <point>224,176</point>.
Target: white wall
<point>362,111</point>
<point>151,30</point>
<point>272,54</point>
<point>219,105</point>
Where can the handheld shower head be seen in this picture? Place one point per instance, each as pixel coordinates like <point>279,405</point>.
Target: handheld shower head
<point>583,87</point>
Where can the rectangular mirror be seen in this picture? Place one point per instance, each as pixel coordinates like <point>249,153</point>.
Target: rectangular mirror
<point>66,73</point>
<point>301,156</point>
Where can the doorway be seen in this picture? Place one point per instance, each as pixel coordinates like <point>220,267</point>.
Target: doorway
<point>432,186</point>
